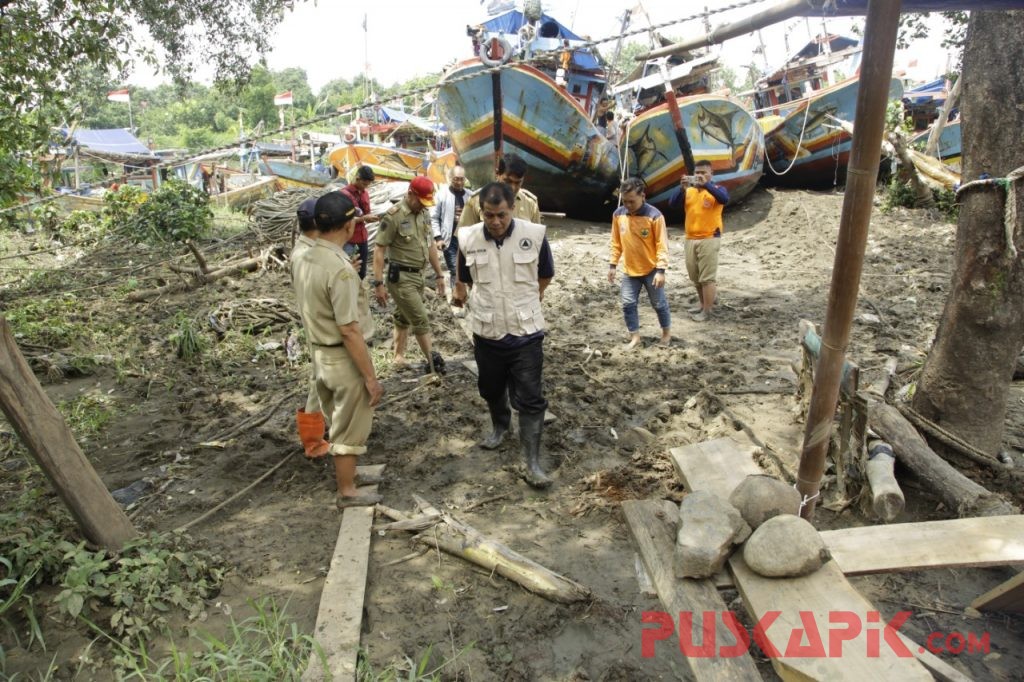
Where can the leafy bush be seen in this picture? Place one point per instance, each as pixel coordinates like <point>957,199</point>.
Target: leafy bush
<point>121,206</point>
<point>176,212</point>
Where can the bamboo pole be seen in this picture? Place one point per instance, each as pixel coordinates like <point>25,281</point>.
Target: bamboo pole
<point>872,97</point>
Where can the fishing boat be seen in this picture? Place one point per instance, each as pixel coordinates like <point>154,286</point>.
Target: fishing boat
<point>439,164</point>
<point>539,108</point>
<point>291,174</point>
<point>242,189</point>
<point>393,163</point>
<point>808,145</point>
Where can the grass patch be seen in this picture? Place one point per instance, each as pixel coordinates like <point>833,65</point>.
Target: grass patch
<point>52,321</point>
<point>426,668</point>
<point>87,415</point>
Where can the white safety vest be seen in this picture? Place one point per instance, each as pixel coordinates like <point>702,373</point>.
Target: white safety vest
<point>505,298</point>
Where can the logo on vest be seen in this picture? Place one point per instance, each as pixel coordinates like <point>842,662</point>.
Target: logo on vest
<point>525,244</point>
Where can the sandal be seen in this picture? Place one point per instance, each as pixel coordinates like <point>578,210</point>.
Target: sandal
<point>361,500</point>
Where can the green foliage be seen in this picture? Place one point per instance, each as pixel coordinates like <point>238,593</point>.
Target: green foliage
<point>87,415</point>
<point>901,194</point>
<point>187,341</point>
<point>120,206</point>
<point>48,321</point>
<point>176,212</point>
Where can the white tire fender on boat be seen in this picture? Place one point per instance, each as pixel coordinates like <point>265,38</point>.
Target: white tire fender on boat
<point>506,52</point>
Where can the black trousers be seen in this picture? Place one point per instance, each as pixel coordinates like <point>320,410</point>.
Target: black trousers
<point>517,371</point>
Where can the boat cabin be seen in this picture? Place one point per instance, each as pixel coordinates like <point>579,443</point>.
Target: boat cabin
<point>816,66</point>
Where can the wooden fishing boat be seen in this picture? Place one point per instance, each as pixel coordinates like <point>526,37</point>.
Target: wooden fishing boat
<point>392,163</point>
<point>718,129</point>
<point>243,189</point>
<point>810,146</point>
<point>291,174</point>
<point>440,164</point>
<point>80,202</point>
<point>541,112</point>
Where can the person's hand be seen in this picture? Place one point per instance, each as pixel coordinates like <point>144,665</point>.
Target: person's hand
<point>439,244</point>
<point>371,218</point>
<point>440,286</point>
<point>659,280</point>
<point>459,295</point>
<point>375,389</point>
<point>381,294</point>
<point>611,275</point>
<point>356,260</point>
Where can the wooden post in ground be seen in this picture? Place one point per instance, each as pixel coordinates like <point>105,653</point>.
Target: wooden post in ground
<point>50,442</point>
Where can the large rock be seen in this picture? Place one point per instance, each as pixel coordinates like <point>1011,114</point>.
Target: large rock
<point>708,529</point>
<point>759,498</point>
<point>785,546</point>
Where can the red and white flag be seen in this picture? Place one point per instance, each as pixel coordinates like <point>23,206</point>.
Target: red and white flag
<point>119,96</point>
<point>283,99</point>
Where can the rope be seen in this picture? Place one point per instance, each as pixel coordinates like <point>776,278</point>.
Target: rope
<point>800,142</point>
<point>1009,203</point>
<point>806,498</point>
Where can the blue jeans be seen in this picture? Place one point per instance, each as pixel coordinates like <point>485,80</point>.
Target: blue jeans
<point>630,290</point>
<point>451,254</point>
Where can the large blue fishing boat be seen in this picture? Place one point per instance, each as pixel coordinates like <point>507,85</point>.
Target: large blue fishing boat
<point>538,104</point>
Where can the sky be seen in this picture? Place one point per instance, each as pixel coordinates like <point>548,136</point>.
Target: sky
<point>409,38</point>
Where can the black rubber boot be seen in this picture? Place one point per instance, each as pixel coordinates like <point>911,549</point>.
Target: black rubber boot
<point>530,428</point>
<point>501,419</point>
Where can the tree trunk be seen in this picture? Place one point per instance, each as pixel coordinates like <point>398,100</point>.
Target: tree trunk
<point>965,381</point>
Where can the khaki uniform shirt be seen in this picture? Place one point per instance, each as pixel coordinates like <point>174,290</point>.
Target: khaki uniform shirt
<point>525,208</point>
<point>327,288</point>
<point>407,235</point>
<point>302,244</point>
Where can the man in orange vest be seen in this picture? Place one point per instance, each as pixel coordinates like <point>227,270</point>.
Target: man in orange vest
<point>702,200</point>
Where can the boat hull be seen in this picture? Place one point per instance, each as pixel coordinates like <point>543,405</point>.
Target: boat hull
<point>718,129</point>
<point>809,148</point>
<point>293,174</point>
<point>391,163</point>
<point>949,144</point>
<point>573,168</point>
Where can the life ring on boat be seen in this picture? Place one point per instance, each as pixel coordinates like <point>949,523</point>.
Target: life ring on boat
<point>350,137</point>
<point>504,51</point>
<point>527,32</point>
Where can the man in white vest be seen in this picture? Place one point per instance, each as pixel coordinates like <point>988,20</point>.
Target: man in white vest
<point>504,265</point>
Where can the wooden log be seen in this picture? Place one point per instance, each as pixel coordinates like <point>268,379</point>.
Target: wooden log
<point>52,445</point>
<point>961,495</point>
<point>922,192</point>
<point>247,265</point>
<point>458,539</point>
<point>886,496</point>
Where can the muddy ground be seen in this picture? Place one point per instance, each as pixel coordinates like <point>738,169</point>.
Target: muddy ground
<point>775,268</point>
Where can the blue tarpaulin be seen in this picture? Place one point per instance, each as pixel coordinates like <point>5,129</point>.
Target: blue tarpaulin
<point>511,22</point>
<point>113,141</point>
<point>396,116</point>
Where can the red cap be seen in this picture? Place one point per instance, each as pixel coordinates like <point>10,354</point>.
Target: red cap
<point>424,189</point>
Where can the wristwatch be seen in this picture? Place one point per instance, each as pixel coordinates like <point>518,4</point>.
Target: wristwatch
<point>376,283</point>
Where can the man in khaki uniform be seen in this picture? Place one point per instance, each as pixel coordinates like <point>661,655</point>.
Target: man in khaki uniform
<point>405,238</point>
<point>310,421</point>
<point>327,288</point>
<point>511,171</point>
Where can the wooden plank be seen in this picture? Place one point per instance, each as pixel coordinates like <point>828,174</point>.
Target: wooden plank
<point>699,468</point>
<point>955,543</point>
<point>801,603</point>
<point>655,543</point>
<point>1008,596</point>
<point>340,617</point>
<point>942,671</point>
<point>52,445</point>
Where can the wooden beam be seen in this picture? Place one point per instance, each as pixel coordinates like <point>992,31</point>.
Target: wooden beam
<point>655,542</point>
<point>956,543</point>
<point>718,468</point>
<point>52,445</point>
<point>339,620</point>
<point>1008,596</point>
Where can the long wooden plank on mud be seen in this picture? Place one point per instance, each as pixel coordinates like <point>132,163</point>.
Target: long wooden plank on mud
<point>803,604</point>
<point>955,543</point>
<point>1008,596</point>
<point>340,617</point>
<point>655,543</point>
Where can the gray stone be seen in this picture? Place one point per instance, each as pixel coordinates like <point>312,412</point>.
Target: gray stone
<point>785,546</point>
<point>709,527</point>
<point>759,498</point>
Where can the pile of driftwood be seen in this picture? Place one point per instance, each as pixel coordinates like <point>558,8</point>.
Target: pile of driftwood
<point>875,434</point>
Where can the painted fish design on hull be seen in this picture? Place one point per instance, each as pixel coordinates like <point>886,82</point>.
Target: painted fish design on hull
<point>716,126</point>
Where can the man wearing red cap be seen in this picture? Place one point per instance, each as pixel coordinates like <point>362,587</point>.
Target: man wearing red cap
<point>405,238</point>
